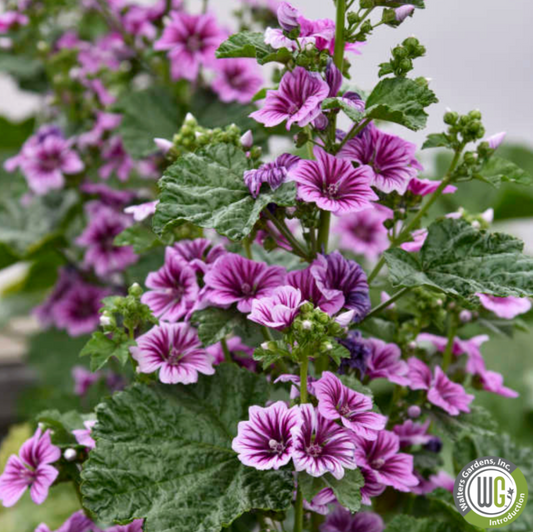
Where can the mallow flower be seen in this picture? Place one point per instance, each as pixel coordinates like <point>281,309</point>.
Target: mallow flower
<point>342,520</point>
<point>333,183</point>
<point>234,279</point>
<point>278,310</point>
<point>30,469</point>
<point>354,409</point>
<point>506,308</point>
<point>274,173</point>
<point>298,100</point>
<point>266,440</point>
<point>321,445</point>
<point>175,350</point>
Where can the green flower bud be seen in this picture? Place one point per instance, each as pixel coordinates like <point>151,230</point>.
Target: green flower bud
<point>399,52</point>
<point>303,60</point>
<point>406,64</point>
<point>411,43</point>
<point>475,115</point>
<point>321,317</point>
<point>451,118</point>
<point>353,18</point>
<point>306,308</point>
<point>135,290</point>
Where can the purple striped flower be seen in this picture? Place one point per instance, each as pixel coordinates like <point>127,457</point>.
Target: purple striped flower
<point>448,395</point>
<point>359,354</point>
<point>419,374</point>
<point>319,503</point>
<point>142,211</point>
<point>30,469</point>
<point>236,80</point>
<point>492,381</point>
<point>266,440</point>
<point>200,253</point>
<point>383,458</point>
<point>191,41</point>
<point>175,350</point>
<point>336,401</point>
<point>77,310</point>
<point>83,380</point>
<point>77,522</point>
<point>117,160</point>
<point>305,281</point>
<point>234,279</point>
<point>333,183</point>
<point>403,12</point>
<point>173,288</point>
<point>391,159</point>
<point>363,233</point>
<point>98,238</point>
<point>288,16</point>
<point>45,159</point>
<point>411,433</point>
<point>385,362</point>
<point>337,276</point>
<point>239,351</point>
<point>342,520</point>
<point>419,237</point>
<point>495,140</point>
<point>506,308</point>
<point>298,100</point>
<point>372,487</point>
<point>274,173</point>
<point>321,446</point>
<point>278,310</point>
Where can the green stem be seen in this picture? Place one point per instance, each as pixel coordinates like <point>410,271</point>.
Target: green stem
<point>247,244</point>
<point>448,352</point>
<point>406,231</point>
<point>284,230</point>
<point>316,522</point>
<point>323,231</point>
<point>338,54</point>
<point>356,128</point>
<point>385,304</point>
<point>304,364</point>
<point>225,349</point>
<point>267,335</point>
<point>299,511</point>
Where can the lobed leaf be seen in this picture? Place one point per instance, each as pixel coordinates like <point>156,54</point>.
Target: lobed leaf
<point>252,44</point>
<point>164,454</point>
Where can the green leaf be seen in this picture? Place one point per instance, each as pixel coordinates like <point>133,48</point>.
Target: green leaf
<point>400,100</point>
<point>269,357</point>
<point>478,421</point>
<point>147,114</point>
<point>214,324</point>
<point>141,237</point>
<point>460,260</point>
<point>101,348</point>
<point>351,112</point>
<point>498,169</point>
<point>163,453</point>
<point>338,352</point>
<point>407,523</point>
<point>347,490</point>
<point>62,425</point>
<point>252,44</point>
<point>207,189</point>
<point>436,140</point>
<point>398,3</point>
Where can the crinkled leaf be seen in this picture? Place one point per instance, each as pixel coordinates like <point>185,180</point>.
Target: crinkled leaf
<point>252,44</point>
<point>141,237</point>
<point>441,502</point>
<point>407,523</point>
<point>101,348</point>
<point>460,260</point>
<point>338,353</point>
<point>147,114</point>
<point>400,100</point>
<point>214,324</point>
<point>436,140</point>
<point>163,453</point>
<point>268,357</point>
<point>477,421</point>
<point>207,189</point>
<point>398,3</point>
<point>338,103</point>
<point>498,169</point>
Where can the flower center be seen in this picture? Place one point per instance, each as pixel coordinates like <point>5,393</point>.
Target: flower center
<point>378,463</point>
<point>247,289</point>
<point>331,190</point>
<point>276,446</point>
<point>314,450</point>
<point>194,43</point>
<point>174,356</point>
<point>344,410</point>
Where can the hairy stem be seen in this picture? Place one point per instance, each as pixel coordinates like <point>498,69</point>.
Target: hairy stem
<point>225,349</point>
<point>338,54</point>
<point>284,230</point>
<point>247,244</point>
<point>448,351</point>
<point>323,231</point>
<point>385,304</point>
<point>299,511</point>
<point>304,364</point>
<point>406,231</point>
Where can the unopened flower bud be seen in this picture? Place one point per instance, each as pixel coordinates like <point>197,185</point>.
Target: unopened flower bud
<point>412,345</point>
<point>190,120</point>
<point>288,16</point>
<point>247,140</point>
<point>70,455</point>
<point>476,224</point>
<point>163,144</point>
<point>403,12</point>
<point>306,308</point>
<point>488,215</point>
<point>135,290</point>
<point>326,346</point>
<point>465,316</point>
<point>414,411</point>
<point>495,140</point>
<point>264,346</point>
<point>307,325</point>
<point>105,320</point>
